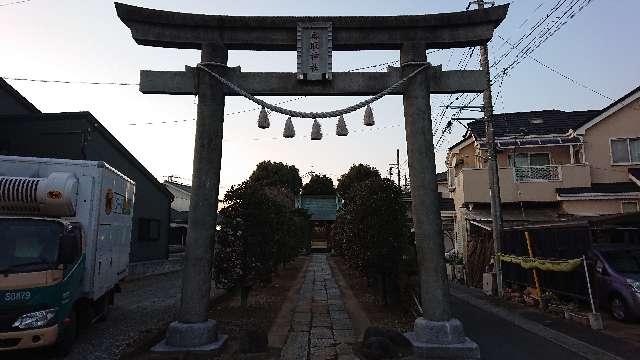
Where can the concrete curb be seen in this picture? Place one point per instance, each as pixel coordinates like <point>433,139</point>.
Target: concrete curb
<point>359,319</point>
<point>280,328</point>
<point>579,347</point>
<point>144,269</point>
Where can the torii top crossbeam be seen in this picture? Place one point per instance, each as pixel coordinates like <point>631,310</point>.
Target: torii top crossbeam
<point>182,30</point>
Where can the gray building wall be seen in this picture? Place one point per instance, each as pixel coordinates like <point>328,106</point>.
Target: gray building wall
<point>80,136</point>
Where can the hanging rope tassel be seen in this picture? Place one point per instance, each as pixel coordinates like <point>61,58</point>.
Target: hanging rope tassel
<point>341,127</point>
<point>368,116</point>
<point>289,131</point>
<point>316,130</point>
<point>263,119</point>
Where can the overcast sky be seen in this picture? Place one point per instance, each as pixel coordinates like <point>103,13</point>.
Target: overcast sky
<point>85,41</point>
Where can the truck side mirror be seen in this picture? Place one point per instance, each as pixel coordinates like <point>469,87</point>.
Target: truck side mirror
<point>70,246</point>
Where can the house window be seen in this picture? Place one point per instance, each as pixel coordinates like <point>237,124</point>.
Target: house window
<point>529,159</point>
<point>625,151</point>
<point>629,206</point>
<point>533,167</point>
<point>148,230</point>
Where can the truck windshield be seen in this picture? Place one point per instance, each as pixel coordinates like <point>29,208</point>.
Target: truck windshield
<point>28,244</point>
<point>623,261</point>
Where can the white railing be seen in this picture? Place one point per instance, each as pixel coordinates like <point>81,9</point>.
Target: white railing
<point>537,173</point>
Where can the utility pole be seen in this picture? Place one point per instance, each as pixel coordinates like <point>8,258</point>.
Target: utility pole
<point>494,180</point>
<point>398,165</point>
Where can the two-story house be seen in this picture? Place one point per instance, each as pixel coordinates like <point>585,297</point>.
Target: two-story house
<point>553,166</point>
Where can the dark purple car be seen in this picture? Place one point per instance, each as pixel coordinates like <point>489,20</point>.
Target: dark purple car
<point>617,279</point>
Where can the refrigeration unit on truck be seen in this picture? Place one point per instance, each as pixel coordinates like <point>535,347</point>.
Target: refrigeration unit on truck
<point>65,237</point>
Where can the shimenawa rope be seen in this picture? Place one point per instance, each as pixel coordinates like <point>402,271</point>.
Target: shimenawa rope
<point>314,115</point>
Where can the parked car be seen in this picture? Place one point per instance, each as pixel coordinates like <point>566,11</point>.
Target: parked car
<point>617,279</point>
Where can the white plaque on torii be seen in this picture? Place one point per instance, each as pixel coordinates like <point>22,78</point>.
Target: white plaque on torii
<point>314,46</point>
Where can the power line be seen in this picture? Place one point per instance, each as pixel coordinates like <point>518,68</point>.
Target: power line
<point>73,82</point>
<point>543,37</point>
<point>464,95</point>
<point>549,31</point>
<point>175,122</point>
<point>117,83</point>
<point>15,3</point>
<point>374,66</point>
<point>468,54</point>
<point>531,31</point>
<point>558,72</point>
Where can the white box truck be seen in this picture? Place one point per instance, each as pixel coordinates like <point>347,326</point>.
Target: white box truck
<point>65,238</point>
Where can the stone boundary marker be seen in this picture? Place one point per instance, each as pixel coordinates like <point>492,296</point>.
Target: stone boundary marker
<point>579,347</point>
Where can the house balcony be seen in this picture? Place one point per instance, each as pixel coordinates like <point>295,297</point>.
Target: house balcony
<point>527,183</point>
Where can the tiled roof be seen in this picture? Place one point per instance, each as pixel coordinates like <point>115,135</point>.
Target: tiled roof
<point>601,188</point>
<point>623,98</point>
<point>545,122</point>
<point>320,207</point>
<point>182,187</point>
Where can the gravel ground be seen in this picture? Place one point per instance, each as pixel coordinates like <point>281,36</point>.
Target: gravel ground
<point>143,306</point>
<point>264,305</point>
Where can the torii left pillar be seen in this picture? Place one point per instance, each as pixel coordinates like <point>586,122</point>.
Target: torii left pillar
<point>194,330</point>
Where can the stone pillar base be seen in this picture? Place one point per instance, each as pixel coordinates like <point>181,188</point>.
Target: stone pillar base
<point>595,320</point>
<point>441,340</point>
<point>191,337</point>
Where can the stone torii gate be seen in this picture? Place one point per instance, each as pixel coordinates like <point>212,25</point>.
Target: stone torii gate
<point>436,333</point>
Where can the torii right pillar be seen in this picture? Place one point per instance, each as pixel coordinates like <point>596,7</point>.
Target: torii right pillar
<point>436,334</point>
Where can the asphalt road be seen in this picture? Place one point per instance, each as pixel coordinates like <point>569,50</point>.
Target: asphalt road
<point>499,339</point>
<point>143,304</point>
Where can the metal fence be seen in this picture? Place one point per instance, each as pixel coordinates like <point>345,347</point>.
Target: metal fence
<point>537,173</point>
<point>561,244</point>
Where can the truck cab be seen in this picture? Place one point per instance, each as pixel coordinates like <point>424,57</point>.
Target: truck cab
<point>41,266</point>
<point>65,237</point>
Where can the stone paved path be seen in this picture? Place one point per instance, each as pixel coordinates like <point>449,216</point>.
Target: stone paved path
<point>320,326</point>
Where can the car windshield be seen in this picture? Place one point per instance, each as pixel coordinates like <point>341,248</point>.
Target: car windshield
<point>623,261</point>
<point>28,244</point>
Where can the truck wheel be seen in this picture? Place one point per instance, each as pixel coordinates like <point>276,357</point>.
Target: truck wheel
<point>618,308</point>
<point>67,335</point>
